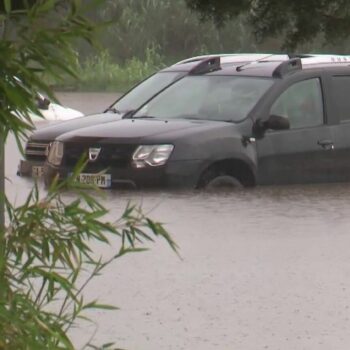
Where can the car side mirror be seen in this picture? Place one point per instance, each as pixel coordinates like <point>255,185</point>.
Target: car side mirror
<point>277,122</point>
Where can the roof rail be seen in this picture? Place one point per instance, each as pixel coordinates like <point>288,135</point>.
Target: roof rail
<point>301,55</point>
<point>329,59</point>
<point>236,57</point>
<point>206,66</point>
<point>253,57</point>
<point>285,67</point>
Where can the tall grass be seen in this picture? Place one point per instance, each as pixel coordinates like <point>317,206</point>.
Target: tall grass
<point>171,27</point>
<point>102,73</point>
<point>146,35</point>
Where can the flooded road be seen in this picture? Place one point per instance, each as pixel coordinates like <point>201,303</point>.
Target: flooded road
<point>264,268</point>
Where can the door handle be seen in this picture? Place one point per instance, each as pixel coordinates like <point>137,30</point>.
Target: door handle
<point>326,144</point>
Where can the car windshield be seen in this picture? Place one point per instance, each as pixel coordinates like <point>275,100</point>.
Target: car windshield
<point>207,97</point>
<point>144,91</point>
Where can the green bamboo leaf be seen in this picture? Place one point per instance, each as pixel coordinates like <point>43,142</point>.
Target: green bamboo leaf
<point>8,6</point>
<point>50,241</point>
<point>46,5</point>
<point>95,305</point>
<point>124,251</point>
<point>107,346</point>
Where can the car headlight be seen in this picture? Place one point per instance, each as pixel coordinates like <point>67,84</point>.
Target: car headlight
<point>56,153</point>
<point>153,155</point>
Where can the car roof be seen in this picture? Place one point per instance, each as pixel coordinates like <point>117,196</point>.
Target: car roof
<point>275,66</point>
<point>237,57</point>
<point>191,63</point>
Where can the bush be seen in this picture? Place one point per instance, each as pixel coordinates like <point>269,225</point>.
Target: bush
<point>100,73</point>
<point>47,250</point>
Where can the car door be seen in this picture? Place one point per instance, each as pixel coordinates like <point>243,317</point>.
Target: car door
<point>340,112</point>
<point>303,153</point>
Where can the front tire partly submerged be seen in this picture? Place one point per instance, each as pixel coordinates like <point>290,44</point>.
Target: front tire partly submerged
<point>214,179</point>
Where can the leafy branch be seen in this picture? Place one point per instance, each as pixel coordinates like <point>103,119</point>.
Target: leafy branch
<point>47,249</point>
<point>49,244</point>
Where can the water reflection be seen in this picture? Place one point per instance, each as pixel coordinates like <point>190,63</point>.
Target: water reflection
<point>330,201</point>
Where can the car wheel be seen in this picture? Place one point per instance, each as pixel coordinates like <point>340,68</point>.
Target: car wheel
<point>216,180</point>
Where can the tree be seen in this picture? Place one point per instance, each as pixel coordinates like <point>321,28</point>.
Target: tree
<point>297,22</point>
<point>48,241</point>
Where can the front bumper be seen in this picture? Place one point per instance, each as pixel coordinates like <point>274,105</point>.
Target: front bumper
<point>176,174</point>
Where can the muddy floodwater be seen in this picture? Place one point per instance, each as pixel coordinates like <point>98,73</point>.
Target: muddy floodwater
<point>264,268</point>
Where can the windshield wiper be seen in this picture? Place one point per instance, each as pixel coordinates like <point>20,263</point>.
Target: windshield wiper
<point>113,109</point>
<point>195,117</point>
<point>130,116</point>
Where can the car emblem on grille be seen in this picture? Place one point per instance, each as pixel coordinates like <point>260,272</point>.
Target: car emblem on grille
<point>93,153</point>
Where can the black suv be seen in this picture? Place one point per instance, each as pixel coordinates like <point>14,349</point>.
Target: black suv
<point>36,147</point>
<point>255,123</point>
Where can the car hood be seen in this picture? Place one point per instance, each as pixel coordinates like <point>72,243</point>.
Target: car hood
<point>50,132</point>
<point>134,130</point>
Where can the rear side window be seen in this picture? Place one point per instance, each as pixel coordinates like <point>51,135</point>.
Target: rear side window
<point>341,95</point>
<point>301,103</point>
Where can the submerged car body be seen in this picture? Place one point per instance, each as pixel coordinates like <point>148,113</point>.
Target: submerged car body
<point>35,150</point>
<point>256,123</point>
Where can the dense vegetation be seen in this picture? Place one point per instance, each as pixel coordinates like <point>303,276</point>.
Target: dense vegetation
<point>170,28</point>
<point>295,22</point>
<point>146,35</point>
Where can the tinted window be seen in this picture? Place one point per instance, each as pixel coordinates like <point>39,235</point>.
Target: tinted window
<point>341,95</point>
<point>301,103</point>
<point>208,97</point>
<point>145,90</point>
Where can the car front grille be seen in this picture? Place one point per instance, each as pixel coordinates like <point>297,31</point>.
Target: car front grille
<point>36,150</point>
<point>116,155</point>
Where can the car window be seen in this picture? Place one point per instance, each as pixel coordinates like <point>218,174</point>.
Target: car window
<point>341,94</point>
<point>145,90</point>
<point>208,97</point>
<point>301,103</point>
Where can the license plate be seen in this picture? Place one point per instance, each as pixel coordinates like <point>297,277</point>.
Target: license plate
<point>37,171</point>
<point>100,180</point>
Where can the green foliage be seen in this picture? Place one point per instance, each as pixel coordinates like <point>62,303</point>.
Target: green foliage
<point>297,22</point>
<point>15,5</point>
<point>101,73</point>
<point>48,245</point>
<point>146,35</point>
<point>41,43</point>
<point>170,27</point>
<point>176,29</point>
